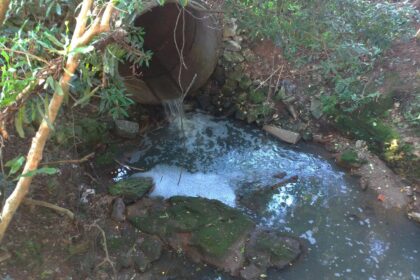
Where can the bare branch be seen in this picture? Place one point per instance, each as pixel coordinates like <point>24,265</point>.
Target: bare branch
<point>61,210</point>
<point>4,6</point>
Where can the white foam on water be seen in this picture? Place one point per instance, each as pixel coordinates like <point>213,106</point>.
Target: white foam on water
<point>208,185</point>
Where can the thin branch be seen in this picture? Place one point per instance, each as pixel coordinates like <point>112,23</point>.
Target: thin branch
<point>128,166</point>
<point>107,259</point>
<point>61,210</point>
<point>269,77</point>
<point>74,161</point>
<point>27,54</point>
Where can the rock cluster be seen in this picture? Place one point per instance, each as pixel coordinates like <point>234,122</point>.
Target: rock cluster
<point>232,92</point>
<point>209,231</point>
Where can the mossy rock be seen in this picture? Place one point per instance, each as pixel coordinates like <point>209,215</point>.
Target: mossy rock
<point>132,188</point>
<point>153,224</point>
<point>350,159</point>
<point>107,157</point>
<point>271,249</point>
<point>257,96</point>
<point>369,129</point>
<point>214,227</point>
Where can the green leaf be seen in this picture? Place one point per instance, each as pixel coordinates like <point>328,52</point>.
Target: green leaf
<point>54,40</point>
<point>43,170</point>
<point>58,88</point>
<point>50,81</point>
<point>15,164</point>
<point>19,123</point>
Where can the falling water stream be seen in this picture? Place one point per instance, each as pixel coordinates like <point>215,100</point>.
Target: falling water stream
<point>349,234</point>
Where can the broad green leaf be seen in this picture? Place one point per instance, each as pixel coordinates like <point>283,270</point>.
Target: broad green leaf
<point>15,164</point>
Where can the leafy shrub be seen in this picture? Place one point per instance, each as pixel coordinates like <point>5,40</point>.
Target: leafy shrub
<point>344,36</point>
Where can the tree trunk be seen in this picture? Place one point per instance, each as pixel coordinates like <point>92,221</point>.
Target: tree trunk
<point>81,37</point>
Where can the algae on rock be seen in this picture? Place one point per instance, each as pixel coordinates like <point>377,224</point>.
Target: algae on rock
<point>132,188</point>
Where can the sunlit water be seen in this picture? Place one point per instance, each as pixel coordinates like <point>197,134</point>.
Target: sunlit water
<point>349,235</point>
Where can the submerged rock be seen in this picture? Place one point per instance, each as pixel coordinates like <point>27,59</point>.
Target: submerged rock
<point>269,249</point>
<point>132,189</point>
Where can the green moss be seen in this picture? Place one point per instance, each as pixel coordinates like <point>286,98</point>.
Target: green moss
<point>257,96</point>
<point>153,224</point>
<point>214,226</point>
<point>132,188</point>
<point>115,243</point>
<point>216,238</point>
<point>280,251</point>
<point>349,156</point>
<point>369,129</point>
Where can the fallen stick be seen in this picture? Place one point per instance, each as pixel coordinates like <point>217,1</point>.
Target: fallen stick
<point>128,166</point>
<point>83,159</point>
<point>280,175</point>
<point>61,210</point>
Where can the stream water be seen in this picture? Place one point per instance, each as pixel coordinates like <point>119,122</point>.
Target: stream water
<point>349,235</point>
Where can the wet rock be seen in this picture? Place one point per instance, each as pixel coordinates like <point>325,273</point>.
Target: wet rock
<point>233,46</point>
<point>118,210</point>
<point>126,129</point>
<point>270,249</point>
<point>283,134</point>
<point>316,108</point>
<point>251,272</point>
<point>132,189</point>
<point>204,100</point>
<point>207,230</point>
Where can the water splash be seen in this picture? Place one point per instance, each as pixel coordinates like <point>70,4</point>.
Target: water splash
<point>174,110</point>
